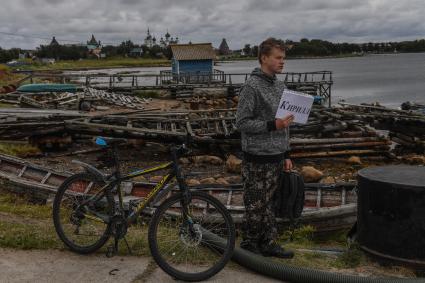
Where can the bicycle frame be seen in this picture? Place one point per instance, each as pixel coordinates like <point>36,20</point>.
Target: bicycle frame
<point>142,205</point>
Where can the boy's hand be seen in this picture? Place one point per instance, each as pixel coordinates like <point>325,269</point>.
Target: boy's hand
<point>287,165</point>
<point>284,122</point>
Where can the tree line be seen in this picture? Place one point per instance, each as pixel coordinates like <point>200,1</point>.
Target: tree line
<point>302,48</point>
<point>317,47</point>
<point>75,52</point>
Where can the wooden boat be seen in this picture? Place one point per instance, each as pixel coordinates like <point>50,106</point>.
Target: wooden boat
<point>40,88</point>
<point>328,207</point>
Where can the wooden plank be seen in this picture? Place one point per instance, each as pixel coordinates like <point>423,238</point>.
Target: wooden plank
<point>47,176</point>
<point>22,171</point>
<point>319,198</point>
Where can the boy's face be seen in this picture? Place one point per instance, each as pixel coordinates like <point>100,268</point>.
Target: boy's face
<point>275,61</point>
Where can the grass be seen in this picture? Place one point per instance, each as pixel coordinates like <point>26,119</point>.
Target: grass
<point>97,64</point>
<point>28,226</point>
<point>21,206</point>
<point>7,77</point>
<point>20,150</point>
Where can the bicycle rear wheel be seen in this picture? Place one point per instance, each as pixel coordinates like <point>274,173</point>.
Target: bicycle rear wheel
<point>176,241</point>
<point>81,220</point>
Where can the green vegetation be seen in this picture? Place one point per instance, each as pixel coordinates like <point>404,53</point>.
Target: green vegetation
<point>21,206</point>
<point>97,64</point>
<point>21,150</point>
<point>7,77</point>
<point>306,48</point>
<point>10,54</point>
<point>28,226</point>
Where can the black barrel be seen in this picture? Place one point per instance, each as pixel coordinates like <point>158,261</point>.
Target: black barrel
<point>391,212</point>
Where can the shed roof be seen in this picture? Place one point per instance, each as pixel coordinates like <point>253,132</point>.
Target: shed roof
<point>198,51</point>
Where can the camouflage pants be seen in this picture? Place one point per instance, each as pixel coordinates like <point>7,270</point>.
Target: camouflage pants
<point>260,183</point>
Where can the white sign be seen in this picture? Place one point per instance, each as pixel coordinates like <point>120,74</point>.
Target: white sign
<point>295,103</point>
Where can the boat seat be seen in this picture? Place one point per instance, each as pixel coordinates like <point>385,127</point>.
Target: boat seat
<point>103,141</point>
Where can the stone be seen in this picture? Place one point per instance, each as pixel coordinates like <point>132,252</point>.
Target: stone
<point>233,179</point>
<point>311,174</point>
<point>209,180</point>
<point>192,182</point>
<point>207,159</point>
<point>416,159</point>
<point>233,164</point>
<point>354,160</point>
<point>328,180</point>
<point>221,181</point>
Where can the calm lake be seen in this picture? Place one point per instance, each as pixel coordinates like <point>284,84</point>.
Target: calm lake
<point>389,79</point>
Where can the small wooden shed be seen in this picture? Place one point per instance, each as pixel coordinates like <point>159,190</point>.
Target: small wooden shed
<point>192,58</point>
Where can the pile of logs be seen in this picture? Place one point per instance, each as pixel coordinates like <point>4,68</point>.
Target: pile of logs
<point>16,123</point>
<point>347,130</point>
<point>326,133</point>
<point>73,101</point>
<point>330,133</point>
<point>202,125</point>
<point>122,100</point>
<point>406,128</point>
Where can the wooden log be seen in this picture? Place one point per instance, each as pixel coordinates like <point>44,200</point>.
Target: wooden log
<point>297,141</point>
<point>336,153</point>
<point>341,145</point>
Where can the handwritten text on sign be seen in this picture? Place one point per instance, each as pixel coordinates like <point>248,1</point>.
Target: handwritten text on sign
<point>295,103</point>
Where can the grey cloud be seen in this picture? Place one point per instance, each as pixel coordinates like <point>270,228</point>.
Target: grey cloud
<point>239,21</point>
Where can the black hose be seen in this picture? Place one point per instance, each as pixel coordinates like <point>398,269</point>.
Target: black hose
<point>294,274</point>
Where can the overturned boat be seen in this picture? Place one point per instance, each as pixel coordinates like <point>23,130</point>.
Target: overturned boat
<point>327,207</point>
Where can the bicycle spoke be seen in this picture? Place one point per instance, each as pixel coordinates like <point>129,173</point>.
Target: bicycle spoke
<point>74,211</point>
<point>179,241</point>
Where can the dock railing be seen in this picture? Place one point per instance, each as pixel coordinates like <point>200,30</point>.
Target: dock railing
<point>315,83</point>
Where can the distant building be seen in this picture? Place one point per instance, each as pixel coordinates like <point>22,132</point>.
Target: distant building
<point>54,42</point>
<point>192,58</point>
<point>94,47</point>
<point>136,52</point>
<point>164,42</point>
<point>149,40</point>
<point>224,48</point>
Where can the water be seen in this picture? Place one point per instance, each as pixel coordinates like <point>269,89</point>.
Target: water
<point>389,79</point>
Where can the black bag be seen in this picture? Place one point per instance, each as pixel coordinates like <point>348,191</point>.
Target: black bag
<point>289,197</point>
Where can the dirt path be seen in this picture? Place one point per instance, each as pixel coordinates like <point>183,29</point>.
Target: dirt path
<point>63,266</point>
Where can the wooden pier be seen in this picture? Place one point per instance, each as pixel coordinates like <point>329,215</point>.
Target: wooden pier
<point>314,83</point>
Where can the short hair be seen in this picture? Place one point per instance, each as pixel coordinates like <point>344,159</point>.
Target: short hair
<point>267,45</point>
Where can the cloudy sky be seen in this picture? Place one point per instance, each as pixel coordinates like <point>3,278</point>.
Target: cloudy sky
<point>239,21</point>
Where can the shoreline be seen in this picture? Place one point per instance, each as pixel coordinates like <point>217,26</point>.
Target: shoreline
<point>295,57</point>
<point>122,64</point>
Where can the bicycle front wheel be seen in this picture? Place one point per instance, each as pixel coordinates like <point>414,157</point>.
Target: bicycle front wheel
<point>82,213</point>
<point>177,238</point>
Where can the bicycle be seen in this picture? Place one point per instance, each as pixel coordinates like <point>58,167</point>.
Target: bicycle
<point>86,214</point>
